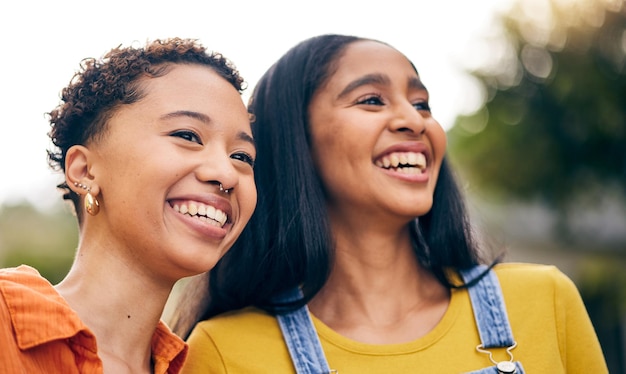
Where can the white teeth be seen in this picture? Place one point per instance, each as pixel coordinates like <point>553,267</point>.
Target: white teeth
<point>205,213</point>
<point>220,216</point>
<point>210,212</point>
<point>420,160</point>
<point>410,170</point>
<point>406,162</point>
<point>395,160</point>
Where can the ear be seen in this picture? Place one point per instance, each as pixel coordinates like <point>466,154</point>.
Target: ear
<point>78,161</point>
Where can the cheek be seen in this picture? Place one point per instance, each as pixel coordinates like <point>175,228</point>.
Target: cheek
<point>439,141</point>
<point>322,144</point>
<point>251,203</point>
<point>322,135</point>
<point>121,159</point>
<point>325,159</point>
<point>250,198</point>
<point>324,126</point>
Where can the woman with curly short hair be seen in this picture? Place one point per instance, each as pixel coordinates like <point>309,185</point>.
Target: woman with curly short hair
<point>157,154</point>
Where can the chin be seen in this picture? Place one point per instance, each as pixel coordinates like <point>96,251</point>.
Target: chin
<point>418,209</point>
<point>194,265</point>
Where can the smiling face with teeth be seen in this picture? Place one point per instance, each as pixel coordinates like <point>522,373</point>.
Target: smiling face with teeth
<point>375,144</point>
<point>157,172</point>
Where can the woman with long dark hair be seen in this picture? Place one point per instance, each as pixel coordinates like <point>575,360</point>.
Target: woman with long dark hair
<point>360,257</point>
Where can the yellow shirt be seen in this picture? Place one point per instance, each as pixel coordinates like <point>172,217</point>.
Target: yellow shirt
<point>549,322</point>
<point>40,333</point>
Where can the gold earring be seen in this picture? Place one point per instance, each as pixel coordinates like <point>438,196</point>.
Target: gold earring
<point>92,205</point>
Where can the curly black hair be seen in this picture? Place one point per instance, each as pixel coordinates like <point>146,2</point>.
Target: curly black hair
<point>102,85</point>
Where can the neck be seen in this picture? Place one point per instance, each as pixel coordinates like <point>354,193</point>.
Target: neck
<point>377,291</point>
<point>120,306</point>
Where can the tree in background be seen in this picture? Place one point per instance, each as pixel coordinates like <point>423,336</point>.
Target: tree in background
<point>553,128</point>
<point>552,132</point>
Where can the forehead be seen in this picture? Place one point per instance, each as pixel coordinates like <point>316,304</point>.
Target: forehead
<point>188,91</point>
<point>366,57</point>
<point>193,87</point>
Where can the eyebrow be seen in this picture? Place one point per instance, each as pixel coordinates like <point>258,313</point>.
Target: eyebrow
<point>246,137</point>
<point>379,79</point>
<point>416,83</point>
<point>242,135</point>
<point>188,113</point>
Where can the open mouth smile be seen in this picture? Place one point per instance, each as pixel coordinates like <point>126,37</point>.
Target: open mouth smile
<point>403,162</point>
<point>202,212</point>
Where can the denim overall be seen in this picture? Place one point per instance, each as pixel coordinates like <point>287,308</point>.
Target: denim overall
<point>489,312</point>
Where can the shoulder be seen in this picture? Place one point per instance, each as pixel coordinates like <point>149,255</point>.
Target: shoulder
<point>27,299</point>
<point>32,300</point>
<point>24,282</point>
<point>18,282</point>
<point>244,321</point>
<point>530,276</point>
<point>20,274</point>
<point>531,288</point>
<point>548,316</point>
<point>244,341</point>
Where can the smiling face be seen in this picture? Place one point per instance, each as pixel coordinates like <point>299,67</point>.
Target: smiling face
<point>157,171</point>
<point>376,146</point>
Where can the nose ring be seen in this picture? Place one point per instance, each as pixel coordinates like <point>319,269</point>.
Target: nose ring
<point>224,190</point>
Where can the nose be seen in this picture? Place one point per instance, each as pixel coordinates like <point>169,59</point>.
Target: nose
<point>406,118</point>
<point>217,169</point>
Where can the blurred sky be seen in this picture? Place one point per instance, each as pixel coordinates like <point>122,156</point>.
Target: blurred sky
<point>44,42</point>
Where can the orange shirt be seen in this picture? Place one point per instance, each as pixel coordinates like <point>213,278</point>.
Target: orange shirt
<point>40,333</point>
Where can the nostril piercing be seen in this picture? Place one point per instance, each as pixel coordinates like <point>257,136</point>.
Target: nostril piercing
<point>224,190</point>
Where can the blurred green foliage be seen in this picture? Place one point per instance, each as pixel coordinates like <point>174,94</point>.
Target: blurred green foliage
<point>552,135</point>
<point>554,125</point>
<point>45,240</point>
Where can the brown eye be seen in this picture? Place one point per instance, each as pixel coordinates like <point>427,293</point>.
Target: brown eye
<point>187,135</point>
<point>242,156</point>
<point>422,106</point>
<point>371,100</point>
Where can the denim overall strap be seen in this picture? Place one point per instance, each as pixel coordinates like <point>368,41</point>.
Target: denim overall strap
<point>487,303</point>
<point>301,338</point>
<point>490,313</point>
<point>494,370</point>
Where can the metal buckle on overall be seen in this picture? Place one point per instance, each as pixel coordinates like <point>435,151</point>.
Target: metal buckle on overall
<point>504,367</point>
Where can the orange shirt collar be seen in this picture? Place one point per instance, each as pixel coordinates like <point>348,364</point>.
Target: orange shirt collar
<point>40,315</point>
